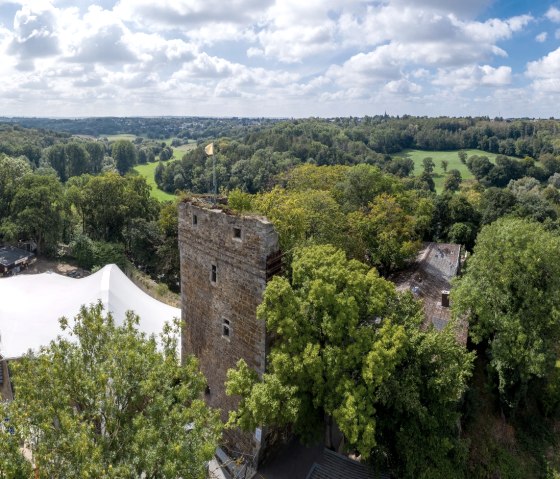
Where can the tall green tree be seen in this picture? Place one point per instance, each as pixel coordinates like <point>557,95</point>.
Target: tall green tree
<point>56,156</point>
<point>96,152</point>
<point>124,154</point>
<point>361,184</point>
<point>385,236</point>
<point>12,171</point>
<point>452,180</point>
<point>37,211</point>
<point>77,159</point>
<point>510,294</point>
<point>428,165</point>
<point>110,403</point>
<point>348,349</point>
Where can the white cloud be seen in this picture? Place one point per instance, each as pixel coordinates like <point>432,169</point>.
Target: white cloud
<point>553,14</point>
<point>541,37</point>
<point>34,34</point>
<point>545,72</point>
<point>459,7</point>
<point>474,76</point>
<point>185,13</point>
<point>402,86</point>
<point>138,56</point>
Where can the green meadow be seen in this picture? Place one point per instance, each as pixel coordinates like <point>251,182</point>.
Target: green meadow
<point>452,158</point>
<point>179,151</point>
<point>147,171</point>
<point>121,136</point>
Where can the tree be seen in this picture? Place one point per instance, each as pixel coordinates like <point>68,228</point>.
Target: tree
<point>495,203</point>
<point>301,216</point>
<point>348,347</point>
<point>110,403</point>
<point>452,181</point>
<point>77,159</point>
<point>462,156</point>
<point>428,165</point>
<point>385,236</point>
<point>480,167</point>
<point>444,165</point>
<point>37,210</point>
<point>96,152</point>
<point>510,292</point>
<point>12,171</point>
<point>399,166</point>
<point>362,183</point>
<point>124,154</point>
<point>56,156</point>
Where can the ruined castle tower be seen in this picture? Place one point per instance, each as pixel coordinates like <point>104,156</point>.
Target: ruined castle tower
<point>226,260</point>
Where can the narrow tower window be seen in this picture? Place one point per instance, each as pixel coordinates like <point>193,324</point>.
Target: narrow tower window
<point>226,328</point>
<point>214,275</point>
<point>194,220</point>
<point>237,233</point>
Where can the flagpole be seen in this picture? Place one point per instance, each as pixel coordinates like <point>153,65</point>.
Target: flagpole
<point>214,179</point>
<point>209,150</point>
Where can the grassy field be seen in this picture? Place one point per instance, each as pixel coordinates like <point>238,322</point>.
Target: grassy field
<point>122,136</point>
<point>179,151</point>
<point>451,156</point>
<point>148,172</point>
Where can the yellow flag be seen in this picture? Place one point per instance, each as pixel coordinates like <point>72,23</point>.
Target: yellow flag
<point>209,150</point>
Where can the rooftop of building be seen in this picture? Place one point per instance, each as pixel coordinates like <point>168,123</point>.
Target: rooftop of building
<point>429,278</point>
<point>10,255</point>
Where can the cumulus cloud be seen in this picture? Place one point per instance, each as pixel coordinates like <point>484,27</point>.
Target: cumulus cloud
<point>128,54</point>
<point>459,7</point>
<point>541,37</point>
<point>553,14</point>
<point>183,13</point>
<point>474,76</point>
<point>34,34</point>
<point>402,86</point>
<point>545,72</point>
<point>104,46</point>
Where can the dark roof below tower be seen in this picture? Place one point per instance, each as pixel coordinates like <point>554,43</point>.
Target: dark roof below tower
<point>336,466</point>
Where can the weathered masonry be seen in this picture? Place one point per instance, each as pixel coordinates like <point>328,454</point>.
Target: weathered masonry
<point>6,392</point>
<point>226,260</point>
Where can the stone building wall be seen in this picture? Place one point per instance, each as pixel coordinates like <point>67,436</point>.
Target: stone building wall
<point>5,387</point>
<point>223,277</point>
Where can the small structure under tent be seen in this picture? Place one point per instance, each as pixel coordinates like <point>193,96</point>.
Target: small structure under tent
<point>13,260</point>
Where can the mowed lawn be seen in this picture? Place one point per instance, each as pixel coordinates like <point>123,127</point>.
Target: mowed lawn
<point>148,172</point>
<point>452,158</point>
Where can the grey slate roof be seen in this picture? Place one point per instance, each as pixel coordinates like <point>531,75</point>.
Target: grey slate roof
<point>430,274</point>
<point>336,466</point>
<point>10,255</point>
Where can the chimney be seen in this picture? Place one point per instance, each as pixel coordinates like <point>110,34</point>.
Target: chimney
<point>445,298</point>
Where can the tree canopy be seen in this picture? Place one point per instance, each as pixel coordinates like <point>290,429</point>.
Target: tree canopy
<point>108,403</point>
<point>510,293</point>
<point>344,339</point>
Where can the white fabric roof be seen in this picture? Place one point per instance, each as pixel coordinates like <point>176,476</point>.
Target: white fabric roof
<point>30,306</point>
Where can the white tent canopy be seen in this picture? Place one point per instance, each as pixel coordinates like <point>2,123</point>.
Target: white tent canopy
<point>30,306</point>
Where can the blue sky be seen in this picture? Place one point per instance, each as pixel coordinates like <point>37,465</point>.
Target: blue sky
<point>293,58</point>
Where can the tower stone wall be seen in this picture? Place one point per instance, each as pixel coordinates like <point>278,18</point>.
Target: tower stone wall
<point>224,272</point>
<point>5,387</point>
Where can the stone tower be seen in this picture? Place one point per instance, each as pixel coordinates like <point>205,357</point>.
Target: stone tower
<point>226,260</point>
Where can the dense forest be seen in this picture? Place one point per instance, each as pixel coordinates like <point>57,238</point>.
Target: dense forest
<point>150,127</point>
<point>350,212</point>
